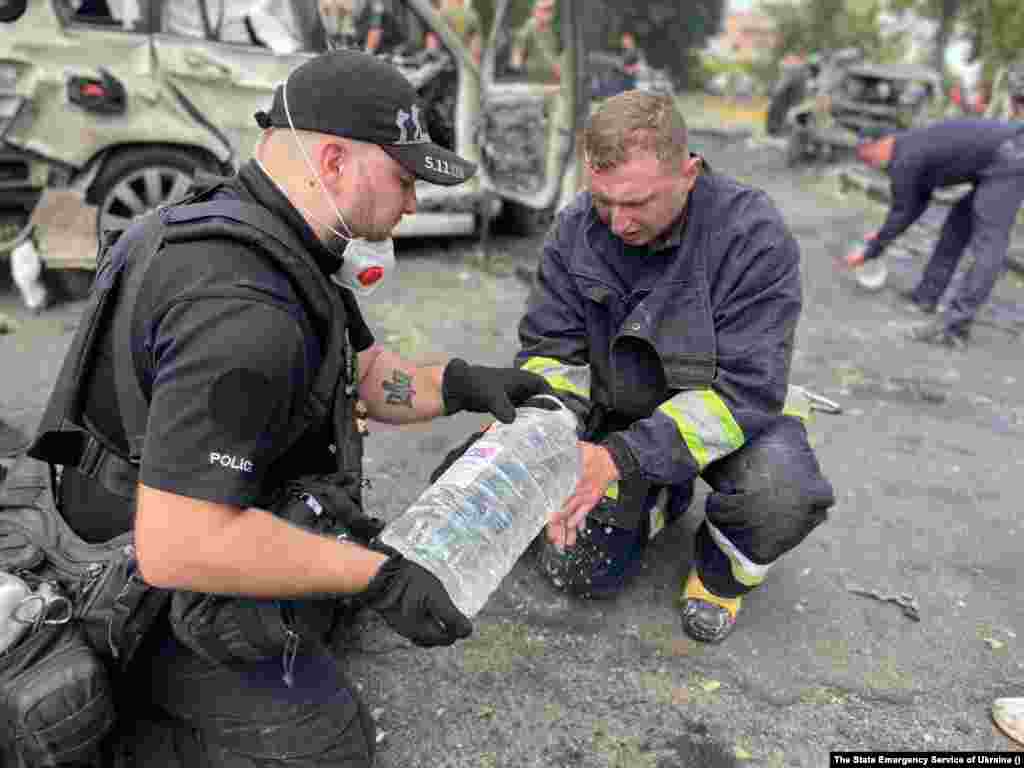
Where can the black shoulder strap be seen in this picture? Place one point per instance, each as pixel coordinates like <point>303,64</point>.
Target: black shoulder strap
<point>131,401</point>
<point>62,437</point>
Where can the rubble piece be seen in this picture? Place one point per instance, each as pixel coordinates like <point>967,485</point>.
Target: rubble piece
<point>1008,714</point>
<point>12,440</point>
<point>7,325</point>
<point>907,602</point>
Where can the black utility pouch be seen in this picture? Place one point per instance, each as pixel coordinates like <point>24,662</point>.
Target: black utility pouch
<point>114,606</point>
<point>56,704</point>
<point>232,630</point>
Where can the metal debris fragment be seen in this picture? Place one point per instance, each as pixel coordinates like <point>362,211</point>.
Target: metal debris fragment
<point>819,402</point>
<point>907,602</point>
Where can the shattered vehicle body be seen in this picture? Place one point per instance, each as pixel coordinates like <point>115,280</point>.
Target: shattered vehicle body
<point>104,117</point>
<point>866,101</point>
<point>804,80</point>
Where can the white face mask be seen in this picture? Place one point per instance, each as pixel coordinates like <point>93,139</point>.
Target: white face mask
<point>365,263</point>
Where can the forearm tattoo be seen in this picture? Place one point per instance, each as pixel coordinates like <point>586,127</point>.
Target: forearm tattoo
<point>399,390</point>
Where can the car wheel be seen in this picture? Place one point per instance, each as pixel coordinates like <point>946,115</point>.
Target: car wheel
<point>134,182</point>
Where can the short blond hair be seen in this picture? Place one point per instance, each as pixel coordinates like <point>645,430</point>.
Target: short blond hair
<point>630,121</point>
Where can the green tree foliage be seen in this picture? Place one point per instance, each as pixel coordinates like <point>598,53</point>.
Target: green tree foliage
<point>822,25</point>
<point>996,30</point>
<point>944,13</point>
<point>669,33</point>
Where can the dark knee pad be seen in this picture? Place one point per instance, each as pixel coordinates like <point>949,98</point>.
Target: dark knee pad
<point>601,563</point>
<point>770,494</point>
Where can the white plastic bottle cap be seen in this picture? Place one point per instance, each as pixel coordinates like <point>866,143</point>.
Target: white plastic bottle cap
<point>872,274</point>
<point>26,268</point>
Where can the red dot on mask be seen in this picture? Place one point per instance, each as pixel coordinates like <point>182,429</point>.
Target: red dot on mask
<point>370,275</point>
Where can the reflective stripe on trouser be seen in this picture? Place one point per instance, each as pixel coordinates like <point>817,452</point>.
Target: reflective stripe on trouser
<point>766,498</point>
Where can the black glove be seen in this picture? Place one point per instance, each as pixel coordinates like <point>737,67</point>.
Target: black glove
<point>414,603</point>
<point>481,389</point>
<point>456,453</point>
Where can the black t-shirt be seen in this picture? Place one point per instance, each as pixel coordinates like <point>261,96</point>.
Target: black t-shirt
<point>225,376</point>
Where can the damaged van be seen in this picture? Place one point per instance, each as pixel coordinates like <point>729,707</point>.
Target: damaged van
<point>108,110</point>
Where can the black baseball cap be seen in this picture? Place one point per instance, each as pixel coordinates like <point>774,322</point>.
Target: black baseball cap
<point>357,96</point>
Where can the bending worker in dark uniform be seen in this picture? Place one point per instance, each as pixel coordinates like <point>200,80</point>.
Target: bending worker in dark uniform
<point>664,312</point>
<point>986,153</point>
<point>227,344</point>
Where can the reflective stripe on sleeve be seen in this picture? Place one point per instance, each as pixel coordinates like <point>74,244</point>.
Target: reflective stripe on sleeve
<point>568,378</point>
<point>746,572</point>
<point>705,424</point>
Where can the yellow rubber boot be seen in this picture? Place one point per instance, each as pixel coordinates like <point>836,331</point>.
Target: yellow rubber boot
<point>706,616</point>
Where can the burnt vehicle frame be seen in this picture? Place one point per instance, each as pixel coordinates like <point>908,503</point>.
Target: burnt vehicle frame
<point>866,101</point>
<point>103,118</point>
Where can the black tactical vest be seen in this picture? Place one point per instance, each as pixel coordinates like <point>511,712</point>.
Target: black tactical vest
<point>65,440</point>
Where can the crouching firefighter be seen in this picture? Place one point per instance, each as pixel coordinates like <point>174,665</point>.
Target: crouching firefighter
<point>193,497</point>
<point>663,312</point>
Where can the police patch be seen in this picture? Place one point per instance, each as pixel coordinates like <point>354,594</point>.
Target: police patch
<point>240,403</point>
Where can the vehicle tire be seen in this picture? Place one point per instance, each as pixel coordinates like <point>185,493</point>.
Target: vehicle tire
<point>790,94</point>
<point>135,181</point>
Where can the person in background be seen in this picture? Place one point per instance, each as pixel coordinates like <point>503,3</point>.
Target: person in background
<point>366,25</point>
<point>465,22</point>
<point>535,46</point>
<point>989,154</point>
<point>270,23</point>
<point>1008,714</point>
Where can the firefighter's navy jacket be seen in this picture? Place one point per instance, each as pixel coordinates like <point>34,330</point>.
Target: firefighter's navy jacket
<point>942,154</point>
<point>688,343</point>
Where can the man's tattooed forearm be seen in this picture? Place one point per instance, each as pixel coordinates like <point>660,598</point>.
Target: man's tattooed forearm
<point>399,390</point>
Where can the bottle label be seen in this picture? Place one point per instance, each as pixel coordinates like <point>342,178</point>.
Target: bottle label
<point>464,472</point>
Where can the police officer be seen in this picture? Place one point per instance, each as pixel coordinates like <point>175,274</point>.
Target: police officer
<point>226,348</point>
<point>989,154</point>
<point>664,311</point>
<point>535,47</point>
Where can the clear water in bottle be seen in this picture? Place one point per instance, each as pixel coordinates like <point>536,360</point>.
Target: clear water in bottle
<point>472,525</point>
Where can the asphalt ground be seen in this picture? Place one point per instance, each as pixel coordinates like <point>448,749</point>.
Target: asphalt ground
<point>928,471</point>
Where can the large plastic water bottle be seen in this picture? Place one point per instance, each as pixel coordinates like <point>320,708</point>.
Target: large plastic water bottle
<point>471,526</point>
